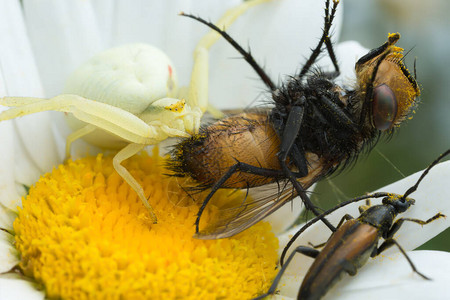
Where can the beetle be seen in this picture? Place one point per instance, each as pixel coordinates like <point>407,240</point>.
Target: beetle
<point>354,241</point>
<point>127,97</point>
<point>314,127</point>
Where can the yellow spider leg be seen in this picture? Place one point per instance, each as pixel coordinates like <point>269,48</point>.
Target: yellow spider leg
<point>76,135</point>
<point>198,87</point>
<point>122,155</point>
<point>107,117</point>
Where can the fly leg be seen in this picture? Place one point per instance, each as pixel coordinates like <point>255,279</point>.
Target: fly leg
<point>289,135</point>
<point>346,217</point>
<point>300,249</point>
<point>324,39</point>
<point>238,167</point>
<point>389,241</point>
<point>246,54</point>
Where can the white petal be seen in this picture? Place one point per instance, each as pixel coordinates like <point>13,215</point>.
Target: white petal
<point>282,297</point>
<point>8,193</point>
<point>35,140</point>
<point>431,198</point>
<point>18,72</point>
<point>280,35</point>
<point>65,34</point>
<point>159,24</point>
<point>387,278</point>
<point>62,34</point>
<point>393,277</point>
<point>347,54</point>
<point>8,254</point>
<point>285,217</point>
<point>13,288</point>
<point>274,34</point>
<point>288,287</point>
<point>20,77</point>
<point>7,217</point>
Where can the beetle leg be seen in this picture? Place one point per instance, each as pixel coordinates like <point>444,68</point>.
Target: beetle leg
<point>396,226</point>
<point>389,243</point>
<point>350,268</point>
<point>346,217</point>
<point>300,249</point>
<point>363,208</point>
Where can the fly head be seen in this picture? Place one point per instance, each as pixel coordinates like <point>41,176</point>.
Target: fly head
<point>386,88</point>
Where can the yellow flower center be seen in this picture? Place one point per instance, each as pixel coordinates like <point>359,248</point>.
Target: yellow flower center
<point>83,234</point>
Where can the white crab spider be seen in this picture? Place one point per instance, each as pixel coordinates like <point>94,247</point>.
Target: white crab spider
<point>127,98</point>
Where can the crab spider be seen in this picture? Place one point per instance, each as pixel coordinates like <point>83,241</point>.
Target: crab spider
<point>127,98</point>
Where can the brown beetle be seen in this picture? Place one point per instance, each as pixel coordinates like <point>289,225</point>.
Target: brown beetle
<point>354,241</point>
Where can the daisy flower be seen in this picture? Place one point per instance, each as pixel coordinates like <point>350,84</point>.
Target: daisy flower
<point>79,233</point>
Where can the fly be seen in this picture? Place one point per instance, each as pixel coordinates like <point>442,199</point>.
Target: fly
<point>313,128</point>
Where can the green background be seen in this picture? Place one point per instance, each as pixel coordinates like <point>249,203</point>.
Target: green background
<point>424,29</point>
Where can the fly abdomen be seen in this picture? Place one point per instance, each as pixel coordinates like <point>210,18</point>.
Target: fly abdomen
<point>247,138</point>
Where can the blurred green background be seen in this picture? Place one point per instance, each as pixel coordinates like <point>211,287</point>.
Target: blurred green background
<point>425,28</point>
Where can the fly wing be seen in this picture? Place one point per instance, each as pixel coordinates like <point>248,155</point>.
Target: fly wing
<point>264,200</point>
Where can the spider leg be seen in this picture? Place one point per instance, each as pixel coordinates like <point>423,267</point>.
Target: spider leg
<point>77,134</point>
<point>217,31</point>
<point>107,117</point>
<point>122,155</point>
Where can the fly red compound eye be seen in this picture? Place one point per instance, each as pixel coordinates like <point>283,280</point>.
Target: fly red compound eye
<point>384,107</point>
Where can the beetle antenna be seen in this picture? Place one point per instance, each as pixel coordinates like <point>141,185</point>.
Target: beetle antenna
<point>320,217</point>
<point>374,195</point>
<point>415,71</point>
<point>414,187</point>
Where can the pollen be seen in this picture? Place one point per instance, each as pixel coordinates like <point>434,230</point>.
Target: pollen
<point>83,234</point>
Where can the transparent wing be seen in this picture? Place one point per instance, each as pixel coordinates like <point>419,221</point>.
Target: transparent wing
<point>264,200</point>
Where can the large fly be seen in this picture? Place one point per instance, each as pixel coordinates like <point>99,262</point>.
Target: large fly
<point>313,128</point>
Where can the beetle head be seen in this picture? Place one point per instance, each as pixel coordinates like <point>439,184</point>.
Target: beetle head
<point>400,203</point>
